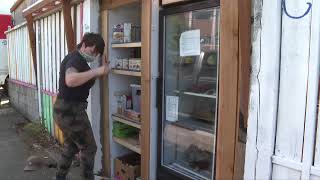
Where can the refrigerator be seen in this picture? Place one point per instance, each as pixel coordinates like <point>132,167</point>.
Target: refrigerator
<point>188,90</point>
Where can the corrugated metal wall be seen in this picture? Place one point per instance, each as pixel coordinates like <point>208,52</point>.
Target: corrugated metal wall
<point>20,61</point>
<point>51,49</point>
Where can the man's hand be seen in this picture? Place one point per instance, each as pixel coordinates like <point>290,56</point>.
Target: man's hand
<point>102,70</point>
<point>104,60</point>
<point>74,78</point>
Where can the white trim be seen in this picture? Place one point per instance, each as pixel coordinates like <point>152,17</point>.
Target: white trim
<point>16,27</point>
<point>287,163</point>
<point>34,4</point>
<point>312,93</point>
<point>38,67</point>
<point>315,171</point>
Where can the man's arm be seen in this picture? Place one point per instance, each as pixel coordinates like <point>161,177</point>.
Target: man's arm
<point>74,78</point>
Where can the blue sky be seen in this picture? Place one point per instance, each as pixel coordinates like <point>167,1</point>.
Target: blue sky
<point>5,6</point>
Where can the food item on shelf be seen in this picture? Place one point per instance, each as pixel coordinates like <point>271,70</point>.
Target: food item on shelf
<point>122,130</point>
<point>135,64</point>
<point>212,59</point>
<point>198,159</point>
<point>136,97</point>
<point>128,167</point>
<point>203,88</point>
<point>124,102</point>
<point>139,137</point>
<point>118,34</point>
<point>119,105</point>
<point>129,102</point>
<point>127,32</point>
<point>118,63</point>
<point>136,33</point>
<point>188,60</point>
<point>125,64</point>
<point>132,115</point>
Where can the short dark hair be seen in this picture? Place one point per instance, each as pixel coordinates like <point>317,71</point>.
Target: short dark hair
<point>92,39</point>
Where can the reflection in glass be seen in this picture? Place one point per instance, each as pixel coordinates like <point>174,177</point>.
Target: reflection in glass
<point>190,89</point>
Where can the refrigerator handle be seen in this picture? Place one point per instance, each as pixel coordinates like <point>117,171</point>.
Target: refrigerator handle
<point>159,92</point>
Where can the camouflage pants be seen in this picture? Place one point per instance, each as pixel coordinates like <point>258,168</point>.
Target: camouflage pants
<point>72,119</point>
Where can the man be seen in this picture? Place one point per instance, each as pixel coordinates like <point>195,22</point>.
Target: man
<point>76,79</point>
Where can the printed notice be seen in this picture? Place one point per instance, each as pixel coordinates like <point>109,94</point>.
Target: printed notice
<point>172,107</point>
<point>190,43</point>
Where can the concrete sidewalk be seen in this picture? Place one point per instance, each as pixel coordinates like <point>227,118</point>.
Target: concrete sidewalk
<point>14,151</point>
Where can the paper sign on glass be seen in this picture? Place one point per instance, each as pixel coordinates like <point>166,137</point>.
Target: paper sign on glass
<point>190,43</point>
<point>172,107</point>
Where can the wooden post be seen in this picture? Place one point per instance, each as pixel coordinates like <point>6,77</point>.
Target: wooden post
<point>66,8</point>
<point>145,82</point>
<point>32,37</point>
<point>228,89</point>
<point>105,103</point>
<point>244,83</point>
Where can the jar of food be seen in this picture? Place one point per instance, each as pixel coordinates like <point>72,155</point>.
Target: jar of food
<point>120,109</point>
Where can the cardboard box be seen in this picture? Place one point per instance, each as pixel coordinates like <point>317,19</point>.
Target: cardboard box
<point>128,167</point>
<point>132,115</point>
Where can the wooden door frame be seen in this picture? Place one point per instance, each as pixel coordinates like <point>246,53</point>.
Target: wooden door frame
<point>104,90</point>
<point>234,78</point>
<point>146,15</point>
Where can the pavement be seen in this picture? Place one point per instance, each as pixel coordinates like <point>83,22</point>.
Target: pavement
<point>14,150</point>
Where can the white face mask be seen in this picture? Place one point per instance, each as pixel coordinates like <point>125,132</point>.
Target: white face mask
<point>88,57</point>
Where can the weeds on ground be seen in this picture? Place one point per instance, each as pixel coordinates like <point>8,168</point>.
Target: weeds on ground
<point>37,134</point>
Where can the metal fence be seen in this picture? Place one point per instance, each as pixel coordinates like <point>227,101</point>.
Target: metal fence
<point>51,48</point>
<point>20,62</point>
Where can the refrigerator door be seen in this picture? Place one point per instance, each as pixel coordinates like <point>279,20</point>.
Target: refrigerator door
<point>190,81</point>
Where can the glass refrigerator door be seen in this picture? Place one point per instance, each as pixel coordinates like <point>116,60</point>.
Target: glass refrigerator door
<point>191,57</point>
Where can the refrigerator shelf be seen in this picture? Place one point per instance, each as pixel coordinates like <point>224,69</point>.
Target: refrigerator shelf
<point>193,124</point>
<point>127,73</point>
<point>131,143</point>
<point>126,120</point>
<point>196,94</point>
<point>127,45</point>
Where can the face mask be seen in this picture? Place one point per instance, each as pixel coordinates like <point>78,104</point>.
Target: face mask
<point>88,57</point>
